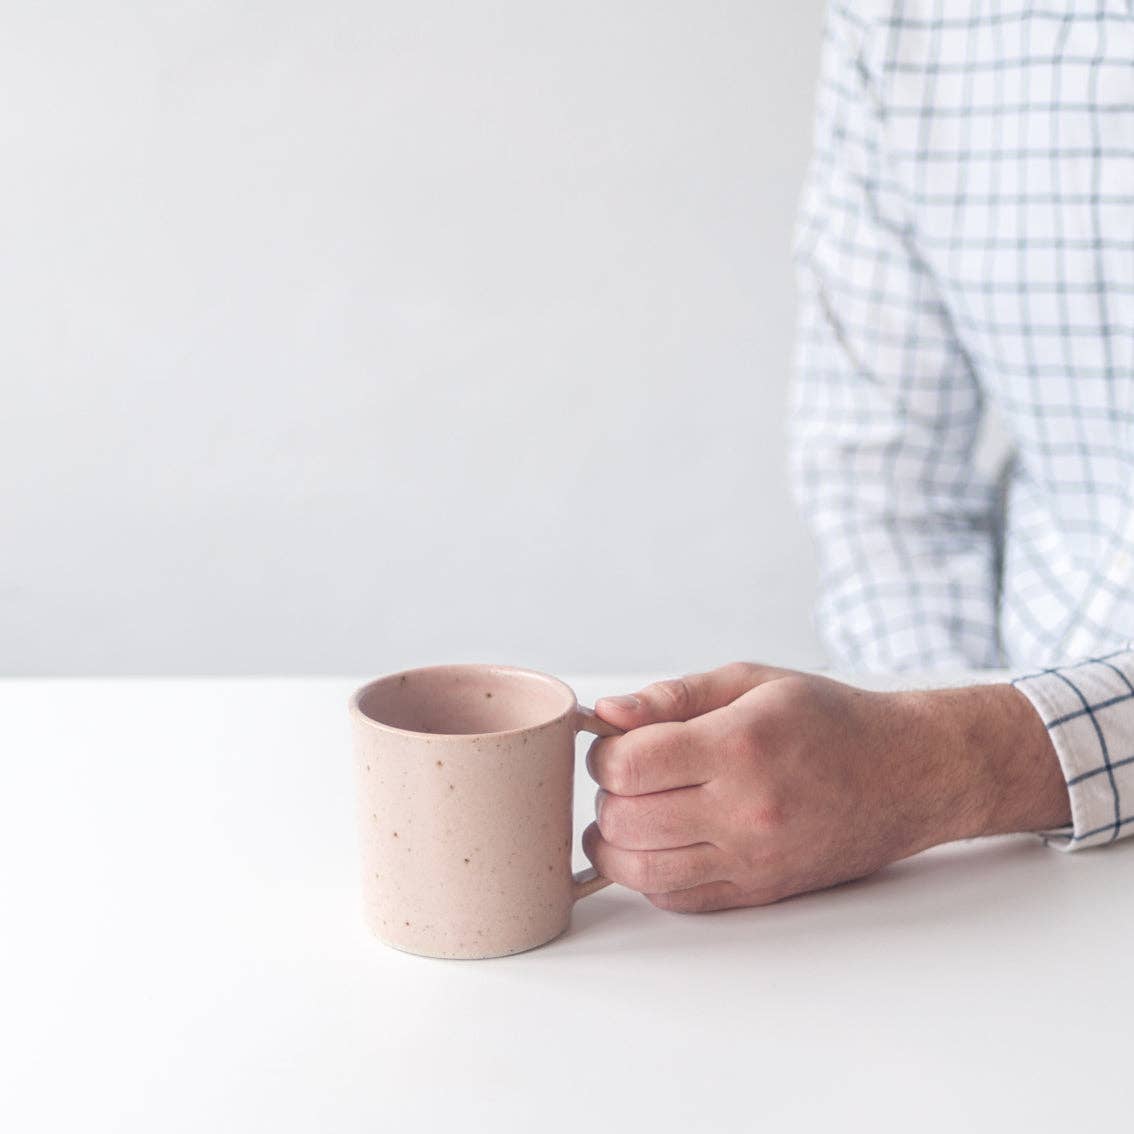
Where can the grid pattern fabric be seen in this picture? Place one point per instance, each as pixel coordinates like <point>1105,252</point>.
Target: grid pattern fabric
<point>966,243</point>
<point>1088,708</point>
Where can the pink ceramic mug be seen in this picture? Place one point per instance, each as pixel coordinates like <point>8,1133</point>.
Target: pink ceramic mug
<point>465,785</point>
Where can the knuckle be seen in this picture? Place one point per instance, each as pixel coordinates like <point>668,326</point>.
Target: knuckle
<point>595,757</point>
<point>673,694</point>
<point>651,875</point>
<point>738,669</point>
<point>768,814</point>
<point>622,774</point>
<point>791,697</point>
<point>614,820</point>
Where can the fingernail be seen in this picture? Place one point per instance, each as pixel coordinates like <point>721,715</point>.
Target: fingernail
<point>622,702</point>
<point>600,796</point>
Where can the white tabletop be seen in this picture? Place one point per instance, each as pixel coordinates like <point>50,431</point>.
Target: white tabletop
<point>183,950</point>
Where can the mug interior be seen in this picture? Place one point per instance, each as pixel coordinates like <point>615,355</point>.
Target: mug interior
<point>458,700</point>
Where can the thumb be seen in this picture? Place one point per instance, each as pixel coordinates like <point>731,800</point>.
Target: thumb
<point>682,698</point>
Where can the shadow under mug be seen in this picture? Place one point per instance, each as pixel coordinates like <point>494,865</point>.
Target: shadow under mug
<point>465,779</point>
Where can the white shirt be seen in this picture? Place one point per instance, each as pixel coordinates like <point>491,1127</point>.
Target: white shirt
<point>966,241</point>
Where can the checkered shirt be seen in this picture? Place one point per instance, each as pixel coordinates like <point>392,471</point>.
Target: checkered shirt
<point>965,254</point>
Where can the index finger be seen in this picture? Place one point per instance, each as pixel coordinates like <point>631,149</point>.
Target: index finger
<point>655,757</point>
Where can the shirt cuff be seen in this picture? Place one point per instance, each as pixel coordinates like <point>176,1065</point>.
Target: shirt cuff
<point>1088,710</point>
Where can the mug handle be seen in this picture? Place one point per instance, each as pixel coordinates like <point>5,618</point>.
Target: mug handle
<point>587,720</point>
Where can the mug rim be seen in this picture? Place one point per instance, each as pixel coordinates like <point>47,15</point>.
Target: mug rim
<point>355,707</point>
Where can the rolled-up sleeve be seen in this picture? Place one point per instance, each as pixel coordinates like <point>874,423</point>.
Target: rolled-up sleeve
<point>1088,709</point>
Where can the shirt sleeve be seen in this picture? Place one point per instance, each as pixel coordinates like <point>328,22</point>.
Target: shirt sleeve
<point>1088,709</point>
<point>885,409</point>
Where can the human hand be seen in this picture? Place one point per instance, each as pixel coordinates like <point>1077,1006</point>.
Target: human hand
<point>747,784</point>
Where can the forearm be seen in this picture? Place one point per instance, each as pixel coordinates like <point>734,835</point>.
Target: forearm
<point>991,766</point>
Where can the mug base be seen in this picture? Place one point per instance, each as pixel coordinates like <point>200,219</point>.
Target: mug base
<point>452,956</point>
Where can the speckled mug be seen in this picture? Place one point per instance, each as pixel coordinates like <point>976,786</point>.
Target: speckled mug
<point>465,784</point>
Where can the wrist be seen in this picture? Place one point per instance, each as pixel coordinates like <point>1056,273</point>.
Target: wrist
<point>1026,777</point>
<point>995,767</point>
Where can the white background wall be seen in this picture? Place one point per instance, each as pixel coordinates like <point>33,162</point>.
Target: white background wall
<point>351,336</point>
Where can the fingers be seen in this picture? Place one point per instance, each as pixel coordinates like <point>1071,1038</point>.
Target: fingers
<point>683,879</point>
<point>653,871</point>
<point>682,698</point>
<point>702,899</point>
<point>657,821</point>
<point>655,758</point>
